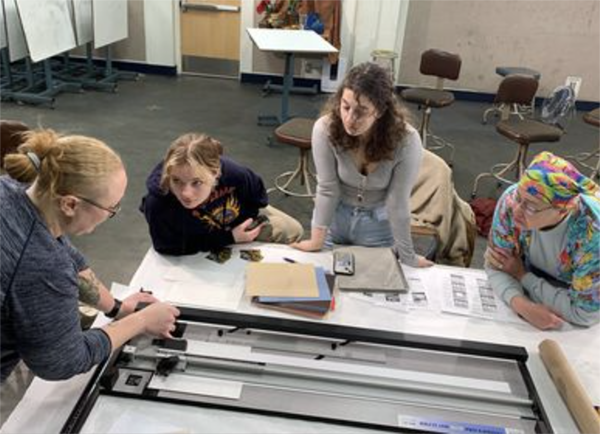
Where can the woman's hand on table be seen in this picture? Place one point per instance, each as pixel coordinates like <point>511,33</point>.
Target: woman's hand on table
<point>539,315</point>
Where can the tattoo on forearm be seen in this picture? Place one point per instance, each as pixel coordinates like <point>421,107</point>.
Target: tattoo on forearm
<point>89,289</point>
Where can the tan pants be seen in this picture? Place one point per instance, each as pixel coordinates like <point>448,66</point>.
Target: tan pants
<point>13,389</point>
<point>281,228</point>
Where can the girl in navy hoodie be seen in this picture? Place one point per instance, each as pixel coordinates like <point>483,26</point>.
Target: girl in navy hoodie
<point>199,200</point>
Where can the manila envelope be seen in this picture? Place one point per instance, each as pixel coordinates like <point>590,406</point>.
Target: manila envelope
<point>281,280</point>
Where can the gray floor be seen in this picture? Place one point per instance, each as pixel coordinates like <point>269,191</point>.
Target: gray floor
<point>145,116</point>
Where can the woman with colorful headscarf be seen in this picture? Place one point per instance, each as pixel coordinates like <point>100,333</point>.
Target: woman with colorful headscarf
<point>543,255</point>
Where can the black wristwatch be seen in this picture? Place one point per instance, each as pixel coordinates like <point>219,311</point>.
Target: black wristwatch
<point>115,310</point>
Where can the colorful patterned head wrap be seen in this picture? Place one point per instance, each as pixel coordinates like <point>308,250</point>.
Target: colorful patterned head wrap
<point>556,181</point>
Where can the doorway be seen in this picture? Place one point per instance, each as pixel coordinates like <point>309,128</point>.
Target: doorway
<point>210,37</point>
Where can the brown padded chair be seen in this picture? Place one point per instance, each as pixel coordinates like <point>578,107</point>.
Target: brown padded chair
<point>10,137</point>
<point>592,118</point>
<point>523,132</point>
<point>520,108</point>
<point>442,65</point>
<point>514,91</point>
<point>297,132</point>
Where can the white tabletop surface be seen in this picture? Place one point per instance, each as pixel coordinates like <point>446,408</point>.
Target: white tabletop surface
<point>290,41</point>
<point>52,402</point>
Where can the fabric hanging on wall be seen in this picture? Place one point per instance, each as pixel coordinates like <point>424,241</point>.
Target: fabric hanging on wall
<point>330,12</point>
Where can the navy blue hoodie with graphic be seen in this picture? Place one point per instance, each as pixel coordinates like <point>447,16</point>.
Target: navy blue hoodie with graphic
<point>176,230</point>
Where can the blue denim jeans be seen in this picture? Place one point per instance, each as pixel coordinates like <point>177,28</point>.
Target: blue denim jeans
<point>360,227</point>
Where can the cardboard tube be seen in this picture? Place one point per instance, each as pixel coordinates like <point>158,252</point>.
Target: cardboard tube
<point>570,388</point>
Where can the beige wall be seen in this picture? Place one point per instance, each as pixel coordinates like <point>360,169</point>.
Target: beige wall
<point>134,47</point>
<point>557,38</point>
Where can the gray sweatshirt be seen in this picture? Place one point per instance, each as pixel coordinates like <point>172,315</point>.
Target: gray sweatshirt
<point>389,185</point>
<point>544,250</point>
<point>39,295</point>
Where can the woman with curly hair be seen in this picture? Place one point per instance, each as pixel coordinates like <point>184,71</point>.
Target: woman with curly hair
<point>543,255</point>
<point>367,158</point>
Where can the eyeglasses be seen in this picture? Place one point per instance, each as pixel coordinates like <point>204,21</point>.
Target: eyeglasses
<point>528,208</point>
<point>111,211</point>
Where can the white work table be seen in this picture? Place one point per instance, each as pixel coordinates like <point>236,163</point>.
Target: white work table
<point>289,43</point>
<point>46,405</point>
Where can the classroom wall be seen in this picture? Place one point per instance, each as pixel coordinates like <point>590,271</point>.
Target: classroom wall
<point>557,38</point>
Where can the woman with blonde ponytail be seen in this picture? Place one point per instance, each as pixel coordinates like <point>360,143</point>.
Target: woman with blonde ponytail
<point>58,186</point>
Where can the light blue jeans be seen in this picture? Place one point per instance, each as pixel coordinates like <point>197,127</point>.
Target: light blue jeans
<point>360,227</point>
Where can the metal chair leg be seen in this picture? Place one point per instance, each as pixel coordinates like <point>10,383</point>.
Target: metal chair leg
<point>499,170</point>
<point>582,158</point>
<point>302,171</point>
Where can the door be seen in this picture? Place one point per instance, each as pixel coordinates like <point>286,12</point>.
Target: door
<point>210,37</point>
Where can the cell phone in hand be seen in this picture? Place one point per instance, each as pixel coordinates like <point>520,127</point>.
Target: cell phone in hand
<point>260,219</point>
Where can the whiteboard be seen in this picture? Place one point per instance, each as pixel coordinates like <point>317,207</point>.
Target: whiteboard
<point>3,43</point>
<point>110,21</point>
<point>17,48</point>
<point>82,14</point>
<point>48,27</point>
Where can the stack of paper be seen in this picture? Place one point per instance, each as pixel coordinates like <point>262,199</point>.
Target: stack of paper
<point>301,289</point>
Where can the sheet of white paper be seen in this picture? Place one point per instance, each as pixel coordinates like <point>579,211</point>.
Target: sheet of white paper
<point>194,294</point>
<point>217,350</point>
<point>144,423</point>
<point>423,294</point>
<point>390,300</point>
<point>198,268</point>
<point>277,253</point>
<point>469,293</point>
<point>197,385</point>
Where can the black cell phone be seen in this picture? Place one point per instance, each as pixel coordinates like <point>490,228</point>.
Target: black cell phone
<point>343,263</point>
<point>257,221</point>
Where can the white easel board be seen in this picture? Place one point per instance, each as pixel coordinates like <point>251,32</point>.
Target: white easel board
<point>3,42</point>
<point>110,21</point>
<point>17,48</point>
<point>82,16</point>
<point>48,27</point>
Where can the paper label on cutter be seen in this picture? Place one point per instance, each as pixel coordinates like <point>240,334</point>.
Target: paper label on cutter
<point>451,427</point>
<point>197,385</point>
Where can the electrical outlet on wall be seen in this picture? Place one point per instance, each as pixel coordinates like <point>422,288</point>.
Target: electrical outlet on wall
<point>574,83</point>
<point>311,68</point>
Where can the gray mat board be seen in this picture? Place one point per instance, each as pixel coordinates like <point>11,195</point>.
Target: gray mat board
<point>82,14</point>
<point>48,27</point>
<point>17,47</point>
<point>110,21</point>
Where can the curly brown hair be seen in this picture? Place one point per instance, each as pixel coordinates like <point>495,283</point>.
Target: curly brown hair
<point>371,81</point>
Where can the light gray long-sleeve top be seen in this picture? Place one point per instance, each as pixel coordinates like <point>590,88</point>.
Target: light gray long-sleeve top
<point>389,185</point>
<point>544,250</point>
